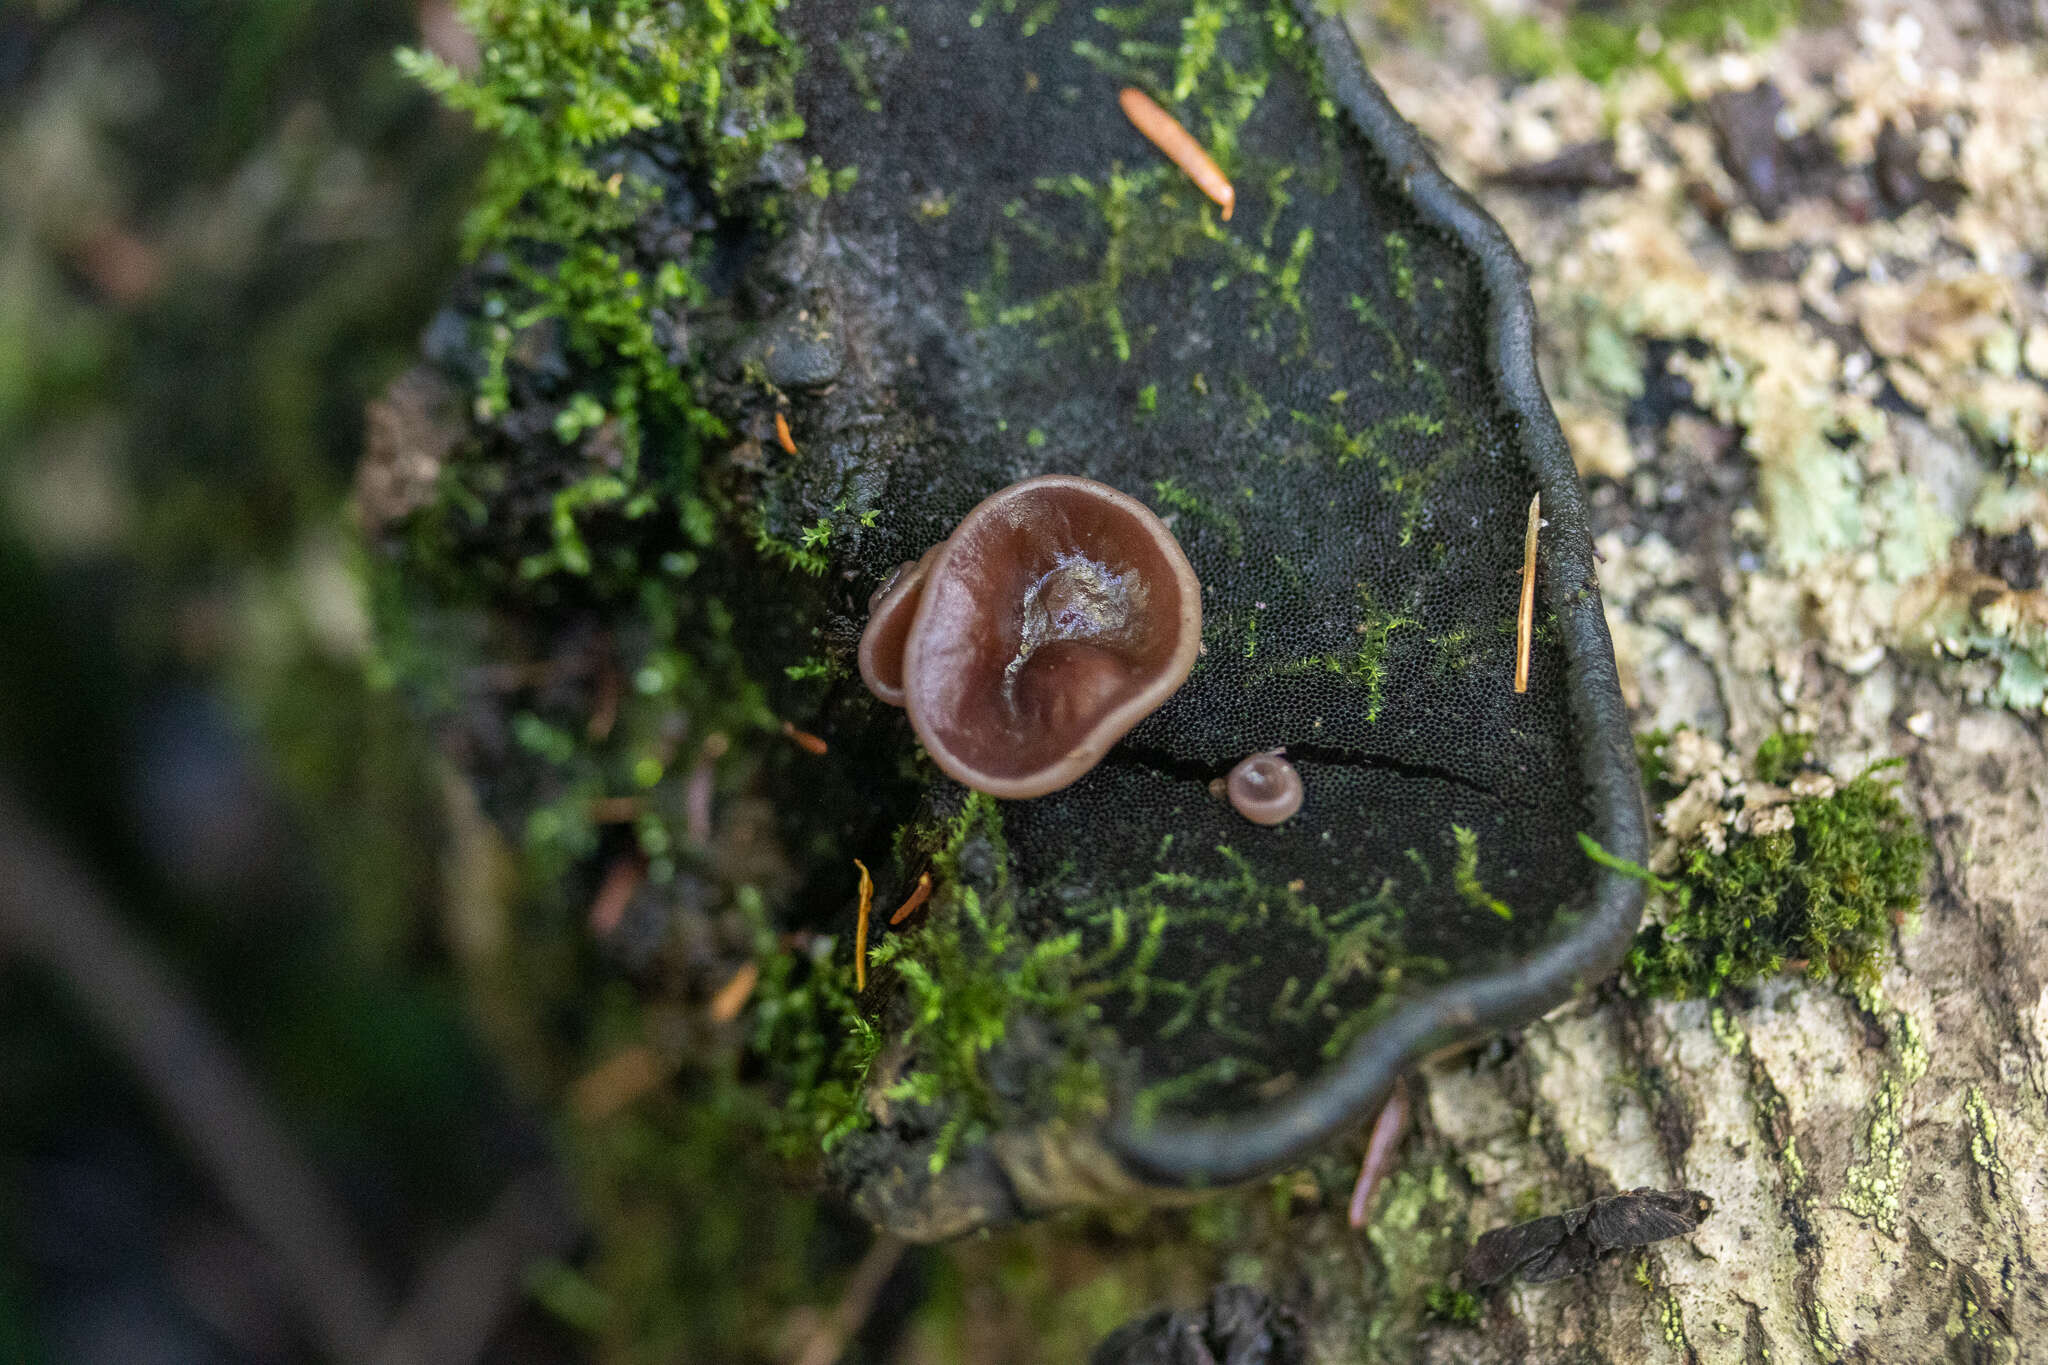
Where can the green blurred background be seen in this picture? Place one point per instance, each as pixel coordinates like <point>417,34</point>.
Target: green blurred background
<point>223,226</point>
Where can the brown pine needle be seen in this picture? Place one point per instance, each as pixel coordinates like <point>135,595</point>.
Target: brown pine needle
<point>1525,624</point>
<point>1163,131</point>
<point>732,996</point>
<point>782,436</point>
<point>860,928</point>
<point>917,898</point>
<point>805,740</point>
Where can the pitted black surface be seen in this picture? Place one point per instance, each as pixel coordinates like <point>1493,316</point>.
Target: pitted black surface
<point>1024,285</point>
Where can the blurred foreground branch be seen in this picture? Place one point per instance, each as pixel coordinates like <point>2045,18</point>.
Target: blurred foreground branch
<point>51,915</point>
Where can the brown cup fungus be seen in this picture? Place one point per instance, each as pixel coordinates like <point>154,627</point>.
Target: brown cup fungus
<point>1058,615</point>
<point>1265,789</point>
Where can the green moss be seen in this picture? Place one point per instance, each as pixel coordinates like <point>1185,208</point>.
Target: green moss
<point>1822,894</point>
<point>564,96</point>
<point>1599,42</point>
<point>1146,223</point>
<point>958,979</point>
<point>1141,224</point>
<point>556,86</point>
<point>556,81</point>
<point>818,1043</point>
<point>1398,479</point>
<point>1458,1307</point>
<point>1365,665</point>
<point>1781,755</point>
<point>1465,873</point>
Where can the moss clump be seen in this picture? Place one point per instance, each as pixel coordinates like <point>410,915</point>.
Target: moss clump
<point>1458,1307</point>
<point>617,132</point>
<point>1782,755</point>
<point>1821,895</point>
<point>1601,41</point>
<point>576,101</point>
<point>963,976</point>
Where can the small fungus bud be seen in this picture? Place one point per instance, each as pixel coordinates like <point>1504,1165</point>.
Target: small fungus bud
<point>1058,615</point>
<point>1265,789</point>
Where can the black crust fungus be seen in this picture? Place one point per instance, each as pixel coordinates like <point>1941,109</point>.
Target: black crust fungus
<point>1332,398</point>
<point>971,269</point>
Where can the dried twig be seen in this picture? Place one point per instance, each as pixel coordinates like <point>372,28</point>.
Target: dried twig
<point>617,1082</point>
<point>805,740</point>
<point>615,893</point>
<point>732,996</point>
<point>827,1342</point>
<point>52,915</point>
<point>1379,1151</point>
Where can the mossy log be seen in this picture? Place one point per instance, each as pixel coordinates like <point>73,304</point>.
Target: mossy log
<point>1876,1160</point>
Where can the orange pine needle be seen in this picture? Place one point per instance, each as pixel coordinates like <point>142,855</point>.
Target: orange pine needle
<point>917,897</point>
<point>782,436</point>
<point>1525,623</point>
<point>732,996</point>
<point>1163,131</point>
<point>860,928</point>
<point>805,740</point>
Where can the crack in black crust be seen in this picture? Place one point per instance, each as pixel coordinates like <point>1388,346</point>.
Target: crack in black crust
<point>1194,770</point>
<point>1347,1093</point>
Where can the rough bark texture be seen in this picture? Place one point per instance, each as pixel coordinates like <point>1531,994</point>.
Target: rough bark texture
<point>1872,1201</point>
<point>1877,1164</point>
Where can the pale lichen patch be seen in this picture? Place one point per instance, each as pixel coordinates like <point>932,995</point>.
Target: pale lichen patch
<point>1871,1187</point>
<point>1809,333</point>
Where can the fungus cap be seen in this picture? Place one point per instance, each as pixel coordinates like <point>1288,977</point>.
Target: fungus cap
<point>1264,788</point>
<point>1058,615</point>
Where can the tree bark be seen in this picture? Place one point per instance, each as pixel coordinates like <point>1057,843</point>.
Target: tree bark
<point>1877,1164</point>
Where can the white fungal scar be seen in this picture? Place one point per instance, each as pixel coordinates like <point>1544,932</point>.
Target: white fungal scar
<point>1077,599</point>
